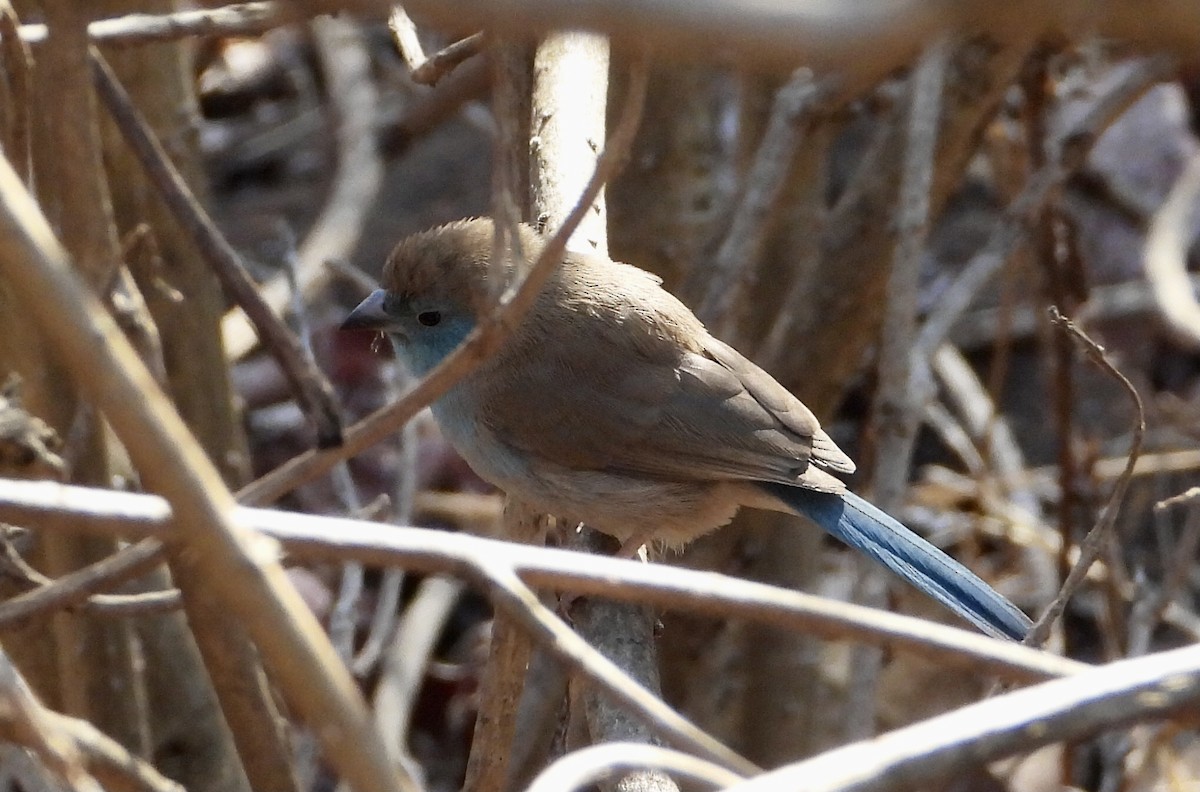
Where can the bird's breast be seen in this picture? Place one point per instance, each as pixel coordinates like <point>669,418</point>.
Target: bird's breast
<point>457,415</point>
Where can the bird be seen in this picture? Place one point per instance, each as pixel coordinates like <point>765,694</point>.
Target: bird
<point>610,404</point>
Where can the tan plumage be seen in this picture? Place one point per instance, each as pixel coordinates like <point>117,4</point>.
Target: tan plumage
<point>623,381</point>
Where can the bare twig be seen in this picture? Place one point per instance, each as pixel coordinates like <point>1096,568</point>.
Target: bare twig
<point>404,35</point>
<point>387,600</point>
<point>241,19</point>
<point>1105,302</point>
<point>493,740</point>
<point>483,340</point>
<point>34,726</point>
<point>1093,543</point>
<point>510,65</point>
<point>76,587</point>
<point>106,759</point>
<point>442,62</point>
<point>343,616</point>
<point>1187,496</point>
<point>438,105</point>
<point>1177,560</point>
<point>904,381</point>
<point>862,42</point>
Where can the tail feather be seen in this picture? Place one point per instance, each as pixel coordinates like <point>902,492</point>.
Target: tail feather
<point>864,527</point>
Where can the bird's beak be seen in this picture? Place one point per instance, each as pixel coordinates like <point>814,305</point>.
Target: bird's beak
<point>369,315</point>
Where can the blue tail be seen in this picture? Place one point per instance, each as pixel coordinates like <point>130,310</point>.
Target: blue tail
<point>864,527</point>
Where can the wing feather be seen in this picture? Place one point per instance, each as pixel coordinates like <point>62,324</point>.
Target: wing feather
<point>635,385</point>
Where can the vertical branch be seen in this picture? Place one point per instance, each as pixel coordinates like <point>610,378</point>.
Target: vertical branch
<point>1058,351</point>
<point>87,223</point>
<point>737,259</point>
<point>897,411</point>
<point>510,648</point>
<point>569,97</point>
<point>18,79</point>
<point>903,381</point>
<point>511,64</point>
<point>570,92</point>
<point>106,688</point>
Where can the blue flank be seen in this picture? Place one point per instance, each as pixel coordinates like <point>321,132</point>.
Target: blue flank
<point>864,527</point>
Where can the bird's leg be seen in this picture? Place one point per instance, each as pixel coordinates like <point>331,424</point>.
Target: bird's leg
<point>636,546</point>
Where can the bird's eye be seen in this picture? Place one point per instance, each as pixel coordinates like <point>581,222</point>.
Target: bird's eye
<point>429,318</point>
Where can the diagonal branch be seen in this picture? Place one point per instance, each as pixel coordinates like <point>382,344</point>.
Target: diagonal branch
<point>243,569</point>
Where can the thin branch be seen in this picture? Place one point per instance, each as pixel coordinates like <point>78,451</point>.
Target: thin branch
<point>1187,496</point>
<point>1105,303</point>
<point>387,599</point>
<point>866,42</point>
<point>440,104</point>
<point>343,615</point>
<point>325,539</point>
<point>75,587</point>
<point>904,381</point>
<point>491,332</point>
<point>444,61</point>
<point>404,36</point>
<point>493,738</point>
<point>404,667</point>
<point>1093,543</point>
<point>312,389</point>
<point>34,728</point>
<point>793,113</point>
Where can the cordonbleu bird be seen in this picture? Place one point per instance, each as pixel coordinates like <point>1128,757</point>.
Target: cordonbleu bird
<point>612,405</point>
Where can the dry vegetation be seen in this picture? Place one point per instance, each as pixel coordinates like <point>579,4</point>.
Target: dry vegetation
<point>237,555</point>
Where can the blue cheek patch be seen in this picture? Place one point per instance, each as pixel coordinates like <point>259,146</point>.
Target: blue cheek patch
<point>428,346</point>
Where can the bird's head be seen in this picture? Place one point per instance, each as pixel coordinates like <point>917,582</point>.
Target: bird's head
<point>435,286</point>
